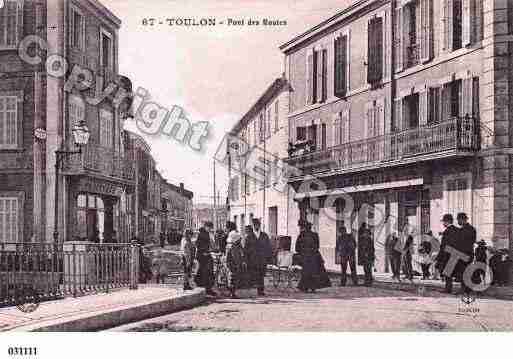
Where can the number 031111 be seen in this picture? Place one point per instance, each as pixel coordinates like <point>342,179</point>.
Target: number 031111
<point>21,351</point>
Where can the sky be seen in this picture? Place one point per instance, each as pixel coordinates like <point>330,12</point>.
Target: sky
<point>214,73</point>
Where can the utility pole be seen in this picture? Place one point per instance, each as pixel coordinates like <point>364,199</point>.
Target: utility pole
<point>215,202</point>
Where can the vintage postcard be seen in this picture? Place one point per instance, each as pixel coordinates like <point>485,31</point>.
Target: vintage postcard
<point>255,166</point>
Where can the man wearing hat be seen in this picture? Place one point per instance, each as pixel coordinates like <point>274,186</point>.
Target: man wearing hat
<point>205,277</point>
<point>465,244</point>
<point>263,254</point>
<point>449,239</point>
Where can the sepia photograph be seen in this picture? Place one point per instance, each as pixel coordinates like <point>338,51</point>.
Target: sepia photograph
<point>240,166</point>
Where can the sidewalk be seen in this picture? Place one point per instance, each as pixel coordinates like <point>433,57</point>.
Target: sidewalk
<point>385,281</point>
<point>100,311</point>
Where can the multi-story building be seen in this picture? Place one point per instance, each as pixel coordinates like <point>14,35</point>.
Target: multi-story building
<point>263,132</point>
<point>202,212</point>
<point>177,204</point>
<point>406,105</point>
<point>38,112</point>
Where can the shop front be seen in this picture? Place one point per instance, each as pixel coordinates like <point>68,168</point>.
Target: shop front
<point>97,213</point>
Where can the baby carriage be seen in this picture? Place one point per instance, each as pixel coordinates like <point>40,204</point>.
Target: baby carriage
<point>285,272</point>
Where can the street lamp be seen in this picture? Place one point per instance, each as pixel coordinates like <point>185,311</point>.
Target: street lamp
<point>81,138</point>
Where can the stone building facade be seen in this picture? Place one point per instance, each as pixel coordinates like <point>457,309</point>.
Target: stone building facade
<point>177,204</point>
<point>38,111</point>
<point>262,132</point>
<point>407,105</point>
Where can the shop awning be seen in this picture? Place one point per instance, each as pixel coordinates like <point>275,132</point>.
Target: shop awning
<point>363,188</point>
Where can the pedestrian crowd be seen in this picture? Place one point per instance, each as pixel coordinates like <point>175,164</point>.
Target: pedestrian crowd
<point>246,254</point>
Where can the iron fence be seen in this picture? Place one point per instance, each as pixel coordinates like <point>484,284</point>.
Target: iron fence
<point>42,271</point>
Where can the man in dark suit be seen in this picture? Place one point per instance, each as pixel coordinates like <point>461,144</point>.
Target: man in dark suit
<point>263,254</point>
<point>465,244</point>
<point>449,239</point>
<point>205,276</point>
<point>346,248</point>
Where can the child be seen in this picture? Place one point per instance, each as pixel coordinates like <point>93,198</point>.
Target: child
<point>188,254</point>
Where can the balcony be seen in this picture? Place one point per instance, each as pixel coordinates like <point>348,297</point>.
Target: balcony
<point>449,138</point>
<point>99,161</point>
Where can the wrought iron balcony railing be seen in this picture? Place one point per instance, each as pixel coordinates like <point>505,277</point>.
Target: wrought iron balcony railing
<point>449,137</point>
<point>99,160</point>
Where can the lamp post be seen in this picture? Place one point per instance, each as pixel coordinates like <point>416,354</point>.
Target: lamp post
<point>81,137</point>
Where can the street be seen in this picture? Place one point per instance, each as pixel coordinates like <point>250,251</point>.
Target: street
<point>336,309</point>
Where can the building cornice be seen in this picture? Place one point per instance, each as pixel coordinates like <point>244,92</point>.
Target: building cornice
<point>337,18</point>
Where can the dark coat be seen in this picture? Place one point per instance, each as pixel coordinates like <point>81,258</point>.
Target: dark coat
<point>205,276</point>
<point>313,273</point>
<point>466,239</point>
<point>346,245</point>
<point>449,239</point>
<point>236,264</point>
<point>365,247</point>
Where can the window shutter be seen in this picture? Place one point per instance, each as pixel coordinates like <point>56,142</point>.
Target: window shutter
<point>378,56</point>
<point>318,75</point>
<point>341,65</point>
<point>336,129</point>
<point>466,22</point>
<point>447,27</point>
<point>398,43</point>
<point>369,118</point>
<point>468,97</point>
<point>423,107</point>
<point>309,77</point>
<point>324,94</point>
<point>380,116</point>
<point>398,112</point>
<point>346,125</point>
<point>426,31</point>
<point>479,20</point>
<point>375,50</point>
<point>446,101</point>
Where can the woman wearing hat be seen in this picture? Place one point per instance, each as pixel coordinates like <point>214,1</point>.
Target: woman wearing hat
<point>313,273</point>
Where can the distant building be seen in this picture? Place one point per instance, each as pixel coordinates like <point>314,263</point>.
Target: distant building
<point>263,132</point>
<point>205,212</point>
<point>177,207</point>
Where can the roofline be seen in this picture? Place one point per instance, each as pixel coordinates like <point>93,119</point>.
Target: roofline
<point>104,10</point>
<point>313,30</point>
<point>278,84</point>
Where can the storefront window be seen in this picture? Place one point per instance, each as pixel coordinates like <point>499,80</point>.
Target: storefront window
<point>90,217</point>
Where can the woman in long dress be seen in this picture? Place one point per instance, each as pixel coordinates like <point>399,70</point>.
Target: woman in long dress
<point>313,273</point>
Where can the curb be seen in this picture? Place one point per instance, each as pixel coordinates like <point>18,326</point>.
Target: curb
<point>105,319</point>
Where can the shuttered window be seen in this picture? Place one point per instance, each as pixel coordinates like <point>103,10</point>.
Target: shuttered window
<point>426,30</point>
<point>458,196</point>
<point>11,23</point>
<point>324,76</point>
<point>341,51</point>
<point>106,129</point>
<point>398,40</point>
<point>276,116</point>
<point>300,133</point>
<point>8,122</point>
<point>268,123</point>
<point>310,78</point>
<point>8,220</point>
<point>341,127</point>
<point>77,28</point>
<point>375,50</point>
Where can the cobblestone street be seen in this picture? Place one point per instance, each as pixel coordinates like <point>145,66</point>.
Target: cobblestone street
<point>337,309</point>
